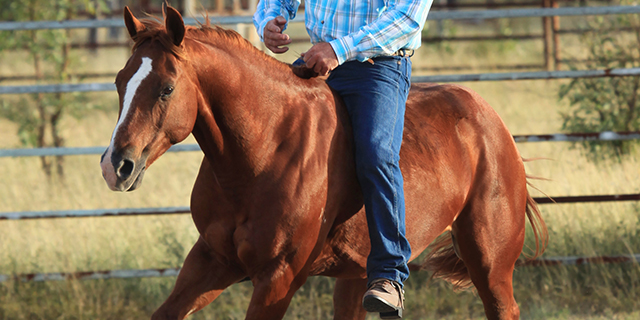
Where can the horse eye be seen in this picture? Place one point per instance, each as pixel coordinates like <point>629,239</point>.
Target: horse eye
<point>167,91</point>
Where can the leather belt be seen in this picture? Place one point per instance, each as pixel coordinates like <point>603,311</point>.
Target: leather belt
<point>404,53</point>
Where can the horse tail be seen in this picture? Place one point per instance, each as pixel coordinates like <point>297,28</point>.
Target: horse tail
<point>444,262</point>
<point>538,226</point>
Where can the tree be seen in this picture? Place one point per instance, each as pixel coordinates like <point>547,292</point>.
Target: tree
<point>38,115</point>
<point>606,104</point>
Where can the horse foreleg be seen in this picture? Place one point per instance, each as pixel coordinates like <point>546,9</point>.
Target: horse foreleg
<point>347,299</point>
<point>272,292</point>
<point>201,280</point>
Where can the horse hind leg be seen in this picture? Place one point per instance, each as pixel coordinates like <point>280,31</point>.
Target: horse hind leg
<point>490,236</point>
<point>347,299</point>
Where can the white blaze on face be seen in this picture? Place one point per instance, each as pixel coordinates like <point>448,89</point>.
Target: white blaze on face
<point>130,92</point>
<point>108,171</point>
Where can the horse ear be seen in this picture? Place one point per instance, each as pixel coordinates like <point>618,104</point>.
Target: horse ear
<point>134,26</point>
<point>174,24</point>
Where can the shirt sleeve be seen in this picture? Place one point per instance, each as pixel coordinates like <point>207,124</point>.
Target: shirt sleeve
<point>268,10</point>
<point>397,24</point>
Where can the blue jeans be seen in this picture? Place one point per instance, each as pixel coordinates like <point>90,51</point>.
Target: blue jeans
<point>375,96</point>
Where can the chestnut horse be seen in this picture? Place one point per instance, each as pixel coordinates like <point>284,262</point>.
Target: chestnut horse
<point>277,200</point>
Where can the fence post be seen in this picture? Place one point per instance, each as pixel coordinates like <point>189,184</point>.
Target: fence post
<point>220,6</point>
<point>237,7</point>
<point>145,6</point>
<point>556,36</point>
<point>252,35</point>
<point>189,9</point>
<point>93,32</point>
<point>548,37</point>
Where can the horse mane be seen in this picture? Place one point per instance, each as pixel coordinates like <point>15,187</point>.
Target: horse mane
<point>155,30</point>
<point>206,33</point>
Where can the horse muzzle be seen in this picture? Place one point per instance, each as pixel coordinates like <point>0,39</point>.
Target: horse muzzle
<point>121,171</point>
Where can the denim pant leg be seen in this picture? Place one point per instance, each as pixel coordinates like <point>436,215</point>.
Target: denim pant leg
<point>375,96</point>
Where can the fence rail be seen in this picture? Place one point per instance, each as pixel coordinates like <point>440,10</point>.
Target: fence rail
<point>24,215</point>
<point>589,198</point>
<point>173,272</point>
<point>129,212</point>
<point>110,23</point>
<point>570,137</point>
<point>91,275</point>
<point>439,68</point>
<point>58,88</point>
<point>534,75</point>
<point>75,151</point>
<point>434,15</point>
<point>578,261</point>
<point>578,137</point>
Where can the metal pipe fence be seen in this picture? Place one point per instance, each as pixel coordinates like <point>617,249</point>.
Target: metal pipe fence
<point>504,76</point>
<point>437,15</point>
<point>579,261</point>
<point>91,275</point>
<point>173,272</point>
<point>130,212</point>
<point>558,137</point>
<point>25,215</point>
<point>76,151</point>
<point>439,68</point>
<point>533,75</point>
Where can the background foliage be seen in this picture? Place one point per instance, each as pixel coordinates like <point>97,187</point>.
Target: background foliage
<point>609,103</point>
<point>38,115</point>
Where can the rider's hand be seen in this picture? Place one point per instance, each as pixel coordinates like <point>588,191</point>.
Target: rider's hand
<point>321,58</point>
<point>273,36</point>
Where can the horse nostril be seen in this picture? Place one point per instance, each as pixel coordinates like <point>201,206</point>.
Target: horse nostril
<point>126,169</point>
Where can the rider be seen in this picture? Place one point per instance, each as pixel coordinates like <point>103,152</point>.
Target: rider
<point>366,46</point>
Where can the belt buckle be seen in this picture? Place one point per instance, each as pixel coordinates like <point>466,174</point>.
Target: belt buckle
<point>402,52</point>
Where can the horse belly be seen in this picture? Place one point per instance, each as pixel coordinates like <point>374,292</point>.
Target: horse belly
<point>345,251</point>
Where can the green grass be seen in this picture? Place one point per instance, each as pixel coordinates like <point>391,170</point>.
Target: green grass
<point>65,245</point>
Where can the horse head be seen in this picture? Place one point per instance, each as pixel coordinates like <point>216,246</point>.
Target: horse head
<point>158,100</point>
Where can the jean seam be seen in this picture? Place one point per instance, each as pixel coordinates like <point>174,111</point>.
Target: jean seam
<point>392,163</point>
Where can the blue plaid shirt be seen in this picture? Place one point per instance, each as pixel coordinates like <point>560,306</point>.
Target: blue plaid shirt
<point>356,29</point>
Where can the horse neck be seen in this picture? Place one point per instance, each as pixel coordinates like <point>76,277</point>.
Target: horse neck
<point>247,103</point>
